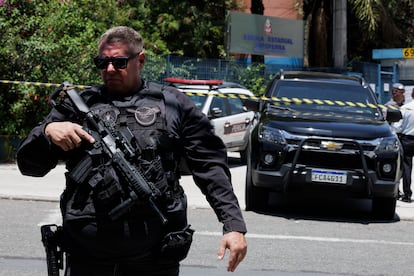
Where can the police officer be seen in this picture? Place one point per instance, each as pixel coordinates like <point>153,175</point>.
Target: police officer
<point>165,127</point>
<point>405,128</point>
<point>397,97</point>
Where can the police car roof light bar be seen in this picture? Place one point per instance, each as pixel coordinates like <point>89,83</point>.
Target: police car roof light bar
<point>195,82</point>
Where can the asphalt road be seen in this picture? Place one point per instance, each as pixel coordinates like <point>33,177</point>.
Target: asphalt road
<point>305,240</point>
<point>298,238</point>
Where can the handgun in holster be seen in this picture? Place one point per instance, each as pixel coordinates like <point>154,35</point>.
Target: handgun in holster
<point>52,239</point>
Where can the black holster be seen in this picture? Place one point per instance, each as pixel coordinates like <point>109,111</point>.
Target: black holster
<point>176,245</point>
<point>52,238</point>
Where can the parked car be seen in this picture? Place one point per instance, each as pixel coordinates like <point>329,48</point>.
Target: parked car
<point>229,116</point>
<point>323,134</point>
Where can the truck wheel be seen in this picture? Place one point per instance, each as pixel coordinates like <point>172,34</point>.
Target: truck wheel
<point>256,198</point>
<point>383,207</point>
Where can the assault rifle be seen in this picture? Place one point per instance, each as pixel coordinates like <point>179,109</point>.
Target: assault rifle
<point>117,148</point>
<point>52,239</point>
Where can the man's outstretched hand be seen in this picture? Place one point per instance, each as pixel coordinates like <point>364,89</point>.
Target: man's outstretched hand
<point>237,245</point>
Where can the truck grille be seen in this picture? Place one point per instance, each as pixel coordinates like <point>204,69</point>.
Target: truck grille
<point>330,160</point>
<point>346,146</point>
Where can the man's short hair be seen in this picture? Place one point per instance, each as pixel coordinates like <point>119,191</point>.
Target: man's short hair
<point>123,34</point>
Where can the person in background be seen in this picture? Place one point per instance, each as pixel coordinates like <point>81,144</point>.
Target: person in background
<point>398,97</point>
<point>163,126</point>
<point>405,129</point>
<point>396,101</point>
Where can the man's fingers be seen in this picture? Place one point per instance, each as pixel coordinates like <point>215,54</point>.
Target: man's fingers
<point>222,250</point>
<point>84,135</point>
<point>237,245</point>
<point>234,261</point>
<point>67,135</point>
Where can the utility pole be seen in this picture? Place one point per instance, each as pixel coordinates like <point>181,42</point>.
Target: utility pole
<point>257,7</point>
<point>340,41</point>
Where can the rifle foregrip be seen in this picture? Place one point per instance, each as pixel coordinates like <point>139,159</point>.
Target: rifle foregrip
<point>121,209</point>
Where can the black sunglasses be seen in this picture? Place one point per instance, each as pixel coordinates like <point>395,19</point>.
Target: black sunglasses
<point>117,62</point>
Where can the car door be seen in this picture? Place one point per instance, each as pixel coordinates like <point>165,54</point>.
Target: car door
<point>230,120</point>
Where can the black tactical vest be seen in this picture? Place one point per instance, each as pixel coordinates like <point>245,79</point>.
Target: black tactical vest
<point>93,186</point>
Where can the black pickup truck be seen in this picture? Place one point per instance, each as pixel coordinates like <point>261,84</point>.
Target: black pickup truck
<point>323,134</point>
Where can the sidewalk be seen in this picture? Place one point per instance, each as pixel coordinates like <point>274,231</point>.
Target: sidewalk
<point>14,185</point>
<point>48,188</point>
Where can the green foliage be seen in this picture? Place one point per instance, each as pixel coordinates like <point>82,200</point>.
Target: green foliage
<point>46,42</point>
<point>55,41</point>
<point>192,28</point>
<point>368,11</point>
<point>252,77</point>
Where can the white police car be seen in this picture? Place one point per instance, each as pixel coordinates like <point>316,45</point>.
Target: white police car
<point>223,103</point>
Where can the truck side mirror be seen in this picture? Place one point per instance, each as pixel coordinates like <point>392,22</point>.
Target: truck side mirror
<point>393,115</point>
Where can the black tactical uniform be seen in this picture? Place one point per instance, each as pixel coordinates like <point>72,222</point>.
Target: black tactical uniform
<point>166,126</point>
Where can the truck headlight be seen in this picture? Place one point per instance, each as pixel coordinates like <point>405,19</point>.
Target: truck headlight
<point>388,144</point>
<point>271,135</point>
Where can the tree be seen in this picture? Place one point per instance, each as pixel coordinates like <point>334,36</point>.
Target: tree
<point>192,28</point>
<point>55,41</point>
<point>371,24</point>
<point>319,32</point>
<point>49,42</point>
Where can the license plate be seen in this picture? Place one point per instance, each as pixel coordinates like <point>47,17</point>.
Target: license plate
<point>338,177</point>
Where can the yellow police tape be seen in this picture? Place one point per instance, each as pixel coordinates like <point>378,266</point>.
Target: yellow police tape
<point>282,100</point>
<point>285,100</point>
<point>39,84</point>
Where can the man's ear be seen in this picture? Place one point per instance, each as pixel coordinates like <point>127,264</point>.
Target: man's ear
<point>141,57</point>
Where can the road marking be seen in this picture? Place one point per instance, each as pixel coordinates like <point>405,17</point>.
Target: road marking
<point>54,217</point>
<point>308,238</point>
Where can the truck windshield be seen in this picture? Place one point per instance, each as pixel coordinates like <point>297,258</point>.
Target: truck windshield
<point>332,97</point>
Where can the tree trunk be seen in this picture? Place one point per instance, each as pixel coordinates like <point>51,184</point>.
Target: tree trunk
<point>340,34</point>
<point>320,36</point>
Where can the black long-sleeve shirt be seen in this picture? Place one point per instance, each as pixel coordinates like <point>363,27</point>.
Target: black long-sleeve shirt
<point>204,152</point>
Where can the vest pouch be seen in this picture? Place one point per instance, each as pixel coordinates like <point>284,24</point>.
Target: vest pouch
<point>176,245</point>
<point>107,191</point>
<point>93,198</point>
<point>175,211</point>
<point>179,236</point>
<point>77,202</point>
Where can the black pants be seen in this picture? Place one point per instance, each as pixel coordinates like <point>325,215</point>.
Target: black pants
<point>85,268</point>
<point>407,142</point>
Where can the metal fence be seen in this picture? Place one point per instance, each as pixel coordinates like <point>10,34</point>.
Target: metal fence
<point>234,70</point>
<point>244,72</point>
<point>379,77</point>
